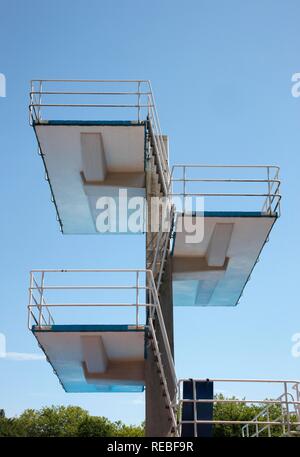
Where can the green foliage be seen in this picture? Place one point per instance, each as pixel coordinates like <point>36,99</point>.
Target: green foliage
<point>95,426</point>
<point>52,421</point>
<point>243,412</point>
<point>10,427</point>
<point>72,421</point>
<point>121,429</point>
<point>62,421</point>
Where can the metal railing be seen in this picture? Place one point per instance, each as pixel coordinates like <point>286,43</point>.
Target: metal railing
<point>159,244</point>
<point>266,187</point>
<point>127,99</point>
<point>288,406</point>
<point>288,402</point>
<point>132,282</point>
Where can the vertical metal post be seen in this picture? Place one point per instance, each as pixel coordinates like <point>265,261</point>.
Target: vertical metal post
<point>152,299</point>
<point>137,299</point>
<point>138,99</point>
<point>269,426</point>
<point>282,417</point>
<point>297,407</point>
<point>184,187</point>
<point>269,191</point>
<point>31,102</point>
<point>40,100</point>
<point>277,201</point>
<point>195,409</point>
<point>286,396</point>
<point>30,299</point>
<point>41,299</point>
<point>149,105</point>
<point>256,429</point>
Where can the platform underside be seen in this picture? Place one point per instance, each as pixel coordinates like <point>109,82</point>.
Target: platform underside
<point>214,271</point>
<point>95,358</point>
<point>88,161</point>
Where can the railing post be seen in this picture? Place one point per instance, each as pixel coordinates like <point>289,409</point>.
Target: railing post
<point>277,192</point>
<point>41,299</point>
<point>269,191</point>
<point>40,100</point>
<point>297,407</point>
<point>138,100</point>
<point>137,299</point>
<point>269,426</point>
<point>287,408</point>
<point>30,300</point>
<point>247,428</point>
<point>195,409</point>
<point>31,102</point>
<point>256,429</point>
<point>184,186</point>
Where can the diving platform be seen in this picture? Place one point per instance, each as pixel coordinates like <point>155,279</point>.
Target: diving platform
<point>215,251</point>
<point>214,272</point>
<point>107,355</point>
<point>87,163</point>
<point>95,358</point>
<point>96,165</point>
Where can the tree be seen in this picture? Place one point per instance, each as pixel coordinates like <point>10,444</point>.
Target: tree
<point>10,427</point>
<point>95,426</point>
<point>244,412</point>
<point>53,421</point>
<point>122,430</point>
<point>60,421</point>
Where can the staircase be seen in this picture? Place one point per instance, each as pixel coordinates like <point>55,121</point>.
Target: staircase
<point>157,249</point>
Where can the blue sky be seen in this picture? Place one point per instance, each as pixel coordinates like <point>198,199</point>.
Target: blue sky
<point>221,72</point>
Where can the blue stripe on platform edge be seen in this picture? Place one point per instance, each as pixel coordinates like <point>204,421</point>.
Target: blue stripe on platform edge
<point>231,214</point>
<point>87,328</point>
<point>77,122</point>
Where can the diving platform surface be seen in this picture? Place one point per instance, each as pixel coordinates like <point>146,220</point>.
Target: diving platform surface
<point>213,270</point>
<point>87,163</point>
<point>95,358</point>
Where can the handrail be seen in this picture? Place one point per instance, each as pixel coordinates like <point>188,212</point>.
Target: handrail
<point>283,403</point>
<point>38,284</point>
<point>140,98</point>
<point>169,401</point>
<point>289,407</point>
<point>149,284</point>
<point>271,195</point>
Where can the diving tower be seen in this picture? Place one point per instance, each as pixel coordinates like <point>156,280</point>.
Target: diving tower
<point>112,330</point>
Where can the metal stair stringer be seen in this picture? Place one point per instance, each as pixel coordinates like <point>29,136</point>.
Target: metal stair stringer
<point>169,398</point>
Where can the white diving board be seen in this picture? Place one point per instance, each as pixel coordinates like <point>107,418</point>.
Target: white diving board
<point>214,271</point>
<point>95,358</point>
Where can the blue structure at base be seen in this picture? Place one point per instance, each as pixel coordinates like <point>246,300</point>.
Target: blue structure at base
<point>197,390</point>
